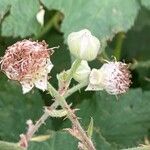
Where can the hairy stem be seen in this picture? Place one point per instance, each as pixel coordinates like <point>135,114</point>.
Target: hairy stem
<point>60,100</point>
<point>67,81</point>
<point>46,115</point>
<point>75,88</point>
<point>86,141</point>
<point>38,124</point>
<point>25,138</point>
<point>117,50</point>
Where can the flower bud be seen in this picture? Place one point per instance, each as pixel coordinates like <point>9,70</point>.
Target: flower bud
<point>83,45</point>
<point>83,71</point>
<point>29,63</point>
<point>114,77</point>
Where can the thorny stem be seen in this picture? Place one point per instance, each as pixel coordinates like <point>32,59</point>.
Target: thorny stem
<point>24,141</point>
<point>73,118</point>
<point>72,70</point>
<point>25,138</point>
<point>60,100</point>
<point>48,111</point>
<point>38,124</point>
<point>70,92</point>
<point>75,88</point>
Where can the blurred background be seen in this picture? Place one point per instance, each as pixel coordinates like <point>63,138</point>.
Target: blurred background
<point>123,27</point>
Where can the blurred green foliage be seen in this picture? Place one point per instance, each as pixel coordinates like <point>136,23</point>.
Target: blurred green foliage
<point>117,124</point>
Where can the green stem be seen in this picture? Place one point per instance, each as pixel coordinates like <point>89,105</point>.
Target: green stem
<point>47,112</point>
<point>120,39</point>
<point>73,118</point>
<point>48,26</point>
<point>140,64</point>
<point>75,88</point>
<point>73,70</point>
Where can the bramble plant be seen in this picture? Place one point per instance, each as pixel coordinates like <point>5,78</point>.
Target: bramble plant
<point>74,75</point>
<point>29,63</point>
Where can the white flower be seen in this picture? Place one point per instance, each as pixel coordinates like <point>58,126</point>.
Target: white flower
<point>29,63</point>
<point>83,71</point>
<point>114,77</point>
<point>83,45</point>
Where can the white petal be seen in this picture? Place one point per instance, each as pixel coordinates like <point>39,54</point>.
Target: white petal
<point>26,86</point>
<point>95,76</point>
<point>92,87</point>
<point>41,82</point>
<point>49,66</point>
<point>84,44</point>
<point>95,81</point>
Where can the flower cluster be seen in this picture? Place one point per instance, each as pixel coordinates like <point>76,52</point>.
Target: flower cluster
<point>29,63</point>
<point>114,77</point>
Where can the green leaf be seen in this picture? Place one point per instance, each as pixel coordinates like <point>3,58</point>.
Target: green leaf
<point>22,18</point>
<point>124,122</point>
<point>9,146</point>
<point>136,46</point>
<point>61,57</point>
<point>57,141</point>
<point>146,3</point>
<point>142,19</point>
<point>64,141</point>
<point>16,109</point>
<point>4,7</point>
<point>103,18</point>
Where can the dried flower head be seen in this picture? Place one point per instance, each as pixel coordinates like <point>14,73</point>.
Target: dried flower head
<point>114,77</point>
<point>29,63</point>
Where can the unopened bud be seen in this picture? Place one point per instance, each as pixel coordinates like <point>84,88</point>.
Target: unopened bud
<point>83,45</point>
